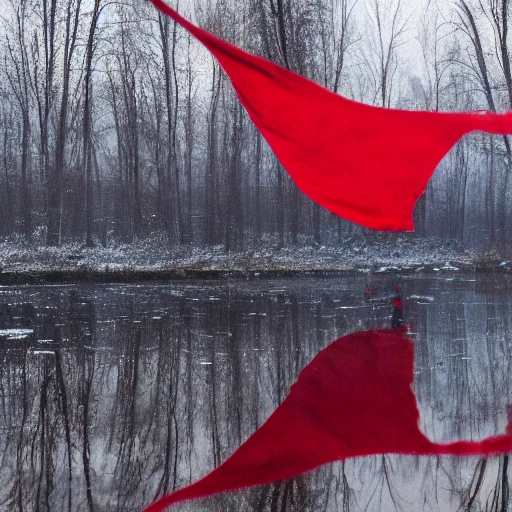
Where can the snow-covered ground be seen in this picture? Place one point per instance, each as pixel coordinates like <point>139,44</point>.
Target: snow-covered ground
<point>379,253</point>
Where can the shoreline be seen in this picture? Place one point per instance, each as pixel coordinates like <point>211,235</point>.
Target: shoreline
<point>152,260</point>
<point>138,275</point>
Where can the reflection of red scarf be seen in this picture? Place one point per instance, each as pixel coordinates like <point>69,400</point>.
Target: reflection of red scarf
<point>353,399</point>
<point>366,164</point>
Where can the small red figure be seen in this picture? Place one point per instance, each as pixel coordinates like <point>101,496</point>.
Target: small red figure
<point>397,319</point>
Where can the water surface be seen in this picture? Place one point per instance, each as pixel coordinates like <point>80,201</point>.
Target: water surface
<point>112,394</point>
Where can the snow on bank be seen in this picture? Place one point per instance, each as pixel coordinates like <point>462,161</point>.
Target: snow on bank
<point>379,252</point>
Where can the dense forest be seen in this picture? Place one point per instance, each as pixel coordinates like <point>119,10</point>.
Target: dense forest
<point>116,124</point>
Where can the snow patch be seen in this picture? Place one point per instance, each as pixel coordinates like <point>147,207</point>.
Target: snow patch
<point>422,298</point>
<point>15,334</point>
<point>382,251</point>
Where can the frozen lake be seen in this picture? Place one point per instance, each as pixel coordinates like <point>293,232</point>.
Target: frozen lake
<point>110,393</point>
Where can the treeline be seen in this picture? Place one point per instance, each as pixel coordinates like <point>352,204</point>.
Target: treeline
<point>115,123</point>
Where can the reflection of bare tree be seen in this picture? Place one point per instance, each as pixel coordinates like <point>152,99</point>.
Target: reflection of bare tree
<point>489,479</point>
<point>169,374</point>
<point>45,477</point>
<point>127,466</point>
<point>65,415</point>
<point>15,495</point>
<point>88,374</point>
<point>214,382</point>
<point>287,495</point>
<point>346,492</point>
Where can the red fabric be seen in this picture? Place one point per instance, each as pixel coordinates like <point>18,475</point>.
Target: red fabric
<point>397,302</point>
<point>366,164</point>
<point>353,399</point>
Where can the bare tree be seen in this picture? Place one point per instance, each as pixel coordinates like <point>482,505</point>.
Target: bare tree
<point>43,79</point>
<point>17,72</point>
<point>168,48</point>
<point>8,163</point>
<point>478,69</point>
<point>386,33</point>
<point>87,128</point>
<point>432,34</point>
<point>55,178</point>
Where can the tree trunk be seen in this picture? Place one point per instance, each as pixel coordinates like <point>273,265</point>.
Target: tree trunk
<point>53,234</point>
<point>87,129</point>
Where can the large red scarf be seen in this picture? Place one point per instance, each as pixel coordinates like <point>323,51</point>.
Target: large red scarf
<point>366,164</point>
<point>353,399</point>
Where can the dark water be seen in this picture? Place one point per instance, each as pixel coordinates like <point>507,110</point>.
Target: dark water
<point>110,395</point>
